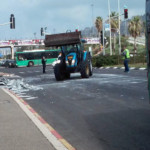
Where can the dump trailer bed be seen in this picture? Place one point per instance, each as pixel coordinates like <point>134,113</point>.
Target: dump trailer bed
<point>62,39</point>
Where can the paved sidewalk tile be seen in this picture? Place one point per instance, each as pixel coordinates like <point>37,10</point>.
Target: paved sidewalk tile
<point>17,131</point>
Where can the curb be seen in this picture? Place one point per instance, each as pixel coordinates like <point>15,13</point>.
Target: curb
<point>58,142</point>
<point>132,68</point>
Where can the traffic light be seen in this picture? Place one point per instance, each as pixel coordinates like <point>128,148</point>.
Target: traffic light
<point>42,32</point>
<point>126,13</point>
<point>12,21</point>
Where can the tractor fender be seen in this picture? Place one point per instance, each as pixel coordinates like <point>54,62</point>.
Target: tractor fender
<point>84,55</point>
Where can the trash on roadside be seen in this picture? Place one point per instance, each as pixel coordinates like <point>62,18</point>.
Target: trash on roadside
<point>17,84</point>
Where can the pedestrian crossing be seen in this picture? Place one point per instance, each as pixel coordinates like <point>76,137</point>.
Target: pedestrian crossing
<point>23,95</point>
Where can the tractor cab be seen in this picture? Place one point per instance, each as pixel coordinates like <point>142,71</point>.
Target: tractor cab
<point>72,57</point>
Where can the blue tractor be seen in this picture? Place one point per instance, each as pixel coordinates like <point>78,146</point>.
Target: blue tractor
<point>73,58</point>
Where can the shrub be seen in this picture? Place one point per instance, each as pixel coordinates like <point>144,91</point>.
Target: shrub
<point>100,61</point>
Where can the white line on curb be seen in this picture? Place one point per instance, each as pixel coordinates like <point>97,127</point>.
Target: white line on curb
<point>142,68</point>
<point>122,68</point>
<point>132,68</point>
<point>51,138</point>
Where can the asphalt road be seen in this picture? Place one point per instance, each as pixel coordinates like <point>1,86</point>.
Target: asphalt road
<point>109,111</point>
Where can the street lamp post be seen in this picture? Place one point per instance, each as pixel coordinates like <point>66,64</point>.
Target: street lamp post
<point>103,39</point>
<point>110,27</point>
<point>92,5</point>
<point>119,27</point>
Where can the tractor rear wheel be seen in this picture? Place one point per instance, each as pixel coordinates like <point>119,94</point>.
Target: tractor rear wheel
<point>91,68</point>
<point>85,70</point>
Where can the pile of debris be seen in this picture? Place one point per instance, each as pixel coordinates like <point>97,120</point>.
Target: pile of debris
<point>17,85</point>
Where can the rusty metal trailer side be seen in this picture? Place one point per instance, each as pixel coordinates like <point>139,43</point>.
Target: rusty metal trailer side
<point>62,39</point>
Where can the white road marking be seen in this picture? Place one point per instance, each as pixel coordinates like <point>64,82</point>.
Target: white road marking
<point>23,96</point>
<point>31,98</point>
<point>22,72</point>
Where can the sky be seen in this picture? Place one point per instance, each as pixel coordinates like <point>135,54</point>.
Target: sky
<point>58,15</point>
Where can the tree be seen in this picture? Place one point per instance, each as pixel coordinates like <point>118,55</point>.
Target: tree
<point>99,25</point>
<point>134,28</point>
<point>114,27</point>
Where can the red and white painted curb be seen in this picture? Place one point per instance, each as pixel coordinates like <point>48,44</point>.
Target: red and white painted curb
<point>58,142</point>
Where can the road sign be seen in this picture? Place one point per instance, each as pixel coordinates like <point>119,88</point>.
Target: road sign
<point>107,27</point>
<point>1,55</point>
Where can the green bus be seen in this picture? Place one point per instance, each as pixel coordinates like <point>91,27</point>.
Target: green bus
<point>33,57</point>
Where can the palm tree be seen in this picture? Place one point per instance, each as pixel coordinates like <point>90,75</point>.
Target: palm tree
<point>114,26</point>
<point>134,29</point>
<point>99,25</point>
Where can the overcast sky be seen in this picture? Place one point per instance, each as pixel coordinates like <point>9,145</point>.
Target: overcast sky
<point>57,15</point>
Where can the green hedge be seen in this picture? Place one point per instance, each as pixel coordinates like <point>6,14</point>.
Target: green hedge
<point>100,61</point>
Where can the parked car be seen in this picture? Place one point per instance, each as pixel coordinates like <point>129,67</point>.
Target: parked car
<point>9,63</point>
<point>2,62</point>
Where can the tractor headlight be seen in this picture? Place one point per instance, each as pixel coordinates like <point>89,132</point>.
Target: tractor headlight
<point>67,62</point>
<point>73,62</point>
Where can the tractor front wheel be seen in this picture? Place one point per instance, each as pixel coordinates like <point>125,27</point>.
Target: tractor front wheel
<point>59,75</point>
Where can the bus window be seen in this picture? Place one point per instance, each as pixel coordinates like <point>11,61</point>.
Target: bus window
<point>55,54</point>
<point>37,55</point>
<point>21,57</point>
<point>48,55</point>
<point>29,56</point>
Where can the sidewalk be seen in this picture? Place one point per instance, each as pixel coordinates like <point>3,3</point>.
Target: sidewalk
<point>17,131</point>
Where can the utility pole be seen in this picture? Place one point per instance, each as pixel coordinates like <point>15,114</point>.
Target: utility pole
<point>110,27</point>
<point>103,38</point>
<point>119,27</point>
<point>92,5</point>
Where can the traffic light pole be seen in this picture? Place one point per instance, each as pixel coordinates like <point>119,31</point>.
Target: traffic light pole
<point>119,27</point>
<point>110,27</point>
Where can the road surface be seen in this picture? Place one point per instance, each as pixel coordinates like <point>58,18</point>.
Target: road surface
<point>109,111</point>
